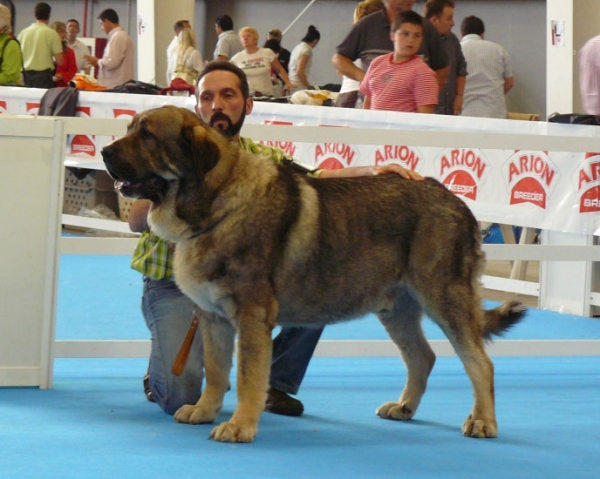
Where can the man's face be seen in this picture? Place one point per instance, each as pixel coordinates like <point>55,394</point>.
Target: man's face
<point>445,21</point>
<point>106,26</point>
<point>72,31</point>
<point>399,5</point>
<point>221,103</point>
<point>407,40</point>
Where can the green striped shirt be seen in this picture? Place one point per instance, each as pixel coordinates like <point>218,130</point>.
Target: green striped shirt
<point>153,256</point>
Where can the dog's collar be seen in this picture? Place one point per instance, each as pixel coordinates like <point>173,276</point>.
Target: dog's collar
<point>208,229</point>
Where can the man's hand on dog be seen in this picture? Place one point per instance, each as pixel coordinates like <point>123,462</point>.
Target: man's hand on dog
<point>372,171</point>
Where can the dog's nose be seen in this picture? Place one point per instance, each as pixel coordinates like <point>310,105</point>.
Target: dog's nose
<point>107,153</point>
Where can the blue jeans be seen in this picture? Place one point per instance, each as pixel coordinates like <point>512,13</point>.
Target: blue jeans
<point>168,314</point>
<point>292,349</point>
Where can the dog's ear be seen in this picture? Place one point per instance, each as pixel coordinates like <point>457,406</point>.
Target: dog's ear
<point>205,150</point>
<point>193,197</point>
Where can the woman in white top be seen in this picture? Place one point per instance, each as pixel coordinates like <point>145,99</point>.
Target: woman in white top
<point>301,59</point>
<point>188,65</point>
<point>257,64</point>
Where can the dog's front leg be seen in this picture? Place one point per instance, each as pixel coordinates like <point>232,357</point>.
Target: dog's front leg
<point>255,345</point>
<point>218,339</point>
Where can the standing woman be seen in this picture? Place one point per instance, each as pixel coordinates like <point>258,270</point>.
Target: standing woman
<point>188,64</point>
<point>257,64</point>
<point>301,59</point>
<point>66,71</point>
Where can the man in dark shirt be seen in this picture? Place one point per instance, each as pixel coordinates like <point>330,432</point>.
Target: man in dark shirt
<point>441,15</point>
<point>370,38</point>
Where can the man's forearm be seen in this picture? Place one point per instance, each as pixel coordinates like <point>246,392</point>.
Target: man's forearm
<point>346,67</point>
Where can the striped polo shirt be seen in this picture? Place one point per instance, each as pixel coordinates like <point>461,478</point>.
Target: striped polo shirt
<point>489,64</point>
<point>400,86</point>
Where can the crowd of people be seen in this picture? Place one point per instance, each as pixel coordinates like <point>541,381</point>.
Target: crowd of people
<point>45,55</point>
<point>470,77</point>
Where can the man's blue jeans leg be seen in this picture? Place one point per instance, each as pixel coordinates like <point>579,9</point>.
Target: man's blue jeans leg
<point>168,314</point>
<point>292,349</point>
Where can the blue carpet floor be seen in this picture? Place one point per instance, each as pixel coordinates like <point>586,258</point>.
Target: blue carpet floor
<point>96,422</point>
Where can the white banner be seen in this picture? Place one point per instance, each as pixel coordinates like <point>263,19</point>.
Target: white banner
<point>553,190</point>
<point>542,189</point>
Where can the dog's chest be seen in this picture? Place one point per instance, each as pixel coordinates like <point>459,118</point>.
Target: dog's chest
<point>196,270</point>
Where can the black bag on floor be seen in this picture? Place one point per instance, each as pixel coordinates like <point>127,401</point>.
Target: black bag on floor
<point>575,119</point>
<point>134,86</point>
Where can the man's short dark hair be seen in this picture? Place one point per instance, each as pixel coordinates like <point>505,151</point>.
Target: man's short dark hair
<point>42,11</point>
<point>472,24</point>
<point>110,15</point>
<point>410,16</point>
<point>72,20</point>
<point>225,22</point>
<point>180,25</point>
<point>218,65</point>
<point>435,8</point>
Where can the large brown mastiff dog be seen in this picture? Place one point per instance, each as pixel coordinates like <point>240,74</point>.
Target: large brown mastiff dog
<point>260,244</point>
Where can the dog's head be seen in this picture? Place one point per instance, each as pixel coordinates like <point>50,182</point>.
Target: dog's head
<point>165,148</point>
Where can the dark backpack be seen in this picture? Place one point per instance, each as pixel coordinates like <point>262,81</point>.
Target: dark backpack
<point>59,101</point>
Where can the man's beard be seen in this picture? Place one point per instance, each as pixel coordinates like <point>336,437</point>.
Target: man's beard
<point>232,129</point>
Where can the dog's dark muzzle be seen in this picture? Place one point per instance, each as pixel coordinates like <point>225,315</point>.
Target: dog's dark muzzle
<point>128,181</point>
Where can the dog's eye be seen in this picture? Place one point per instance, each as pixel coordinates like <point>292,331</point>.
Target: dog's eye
<point>144,131</point>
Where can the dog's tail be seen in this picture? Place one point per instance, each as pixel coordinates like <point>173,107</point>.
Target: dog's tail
<point>501,319</point>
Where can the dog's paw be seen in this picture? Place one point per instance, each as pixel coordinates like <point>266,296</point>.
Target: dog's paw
<point>394,410</point>
<point>480,428</point>
<point>194,414</point>
<point>231,432</point>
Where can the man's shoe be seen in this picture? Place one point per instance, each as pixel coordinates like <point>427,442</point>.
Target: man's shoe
<point>282,403</point>
<point>147,390</point>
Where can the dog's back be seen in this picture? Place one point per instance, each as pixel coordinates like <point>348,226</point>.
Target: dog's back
<point>374,237</point>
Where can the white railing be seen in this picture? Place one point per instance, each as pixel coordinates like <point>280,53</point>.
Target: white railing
<point>568,253</point>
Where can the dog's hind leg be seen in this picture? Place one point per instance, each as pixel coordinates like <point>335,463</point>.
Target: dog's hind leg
<point>255,325</point>
<point>480,369</point>
<point>461,322</point>
<point>218,340</point>
<point>403,324</point>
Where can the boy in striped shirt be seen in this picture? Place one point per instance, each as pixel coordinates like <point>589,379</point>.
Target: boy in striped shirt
<point>401,80</point>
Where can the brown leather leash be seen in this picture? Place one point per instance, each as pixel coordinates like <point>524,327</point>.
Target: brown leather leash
<point>186,346</point>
